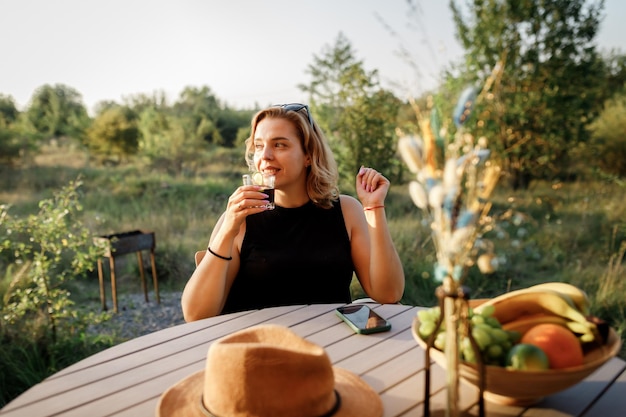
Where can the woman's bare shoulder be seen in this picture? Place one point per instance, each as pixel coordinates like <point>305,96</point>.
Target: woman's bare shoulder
<point>352,210</point>
<point>349,202</point>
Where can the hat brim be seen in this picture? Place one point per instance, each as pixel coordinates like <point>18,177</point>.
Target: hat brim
<point>182,398</point>
<point>358,399</point>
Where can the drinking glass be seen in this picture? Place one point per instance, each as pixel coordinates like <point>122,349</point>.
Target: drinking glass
<point>266,181</point>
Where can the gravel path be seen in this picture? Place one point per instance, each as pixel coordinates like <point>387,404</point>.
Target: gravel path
<point>136,317</point>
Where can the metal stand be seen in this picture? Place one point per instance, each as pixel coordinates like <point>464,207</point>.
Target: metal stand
<point>123,243</point>
<point>462,296</point>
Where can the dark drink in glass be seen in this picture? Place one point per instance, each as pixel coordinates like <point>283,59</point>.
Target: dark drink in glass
<point>266,181</point>
<point>270,197</point>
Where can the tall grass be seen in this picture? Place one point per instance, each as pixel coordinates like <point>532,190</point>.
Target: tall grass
<point>23,365</point>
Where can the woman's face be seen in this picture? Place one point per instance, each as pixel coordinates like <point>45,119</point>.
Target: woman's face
<point>277,150</point>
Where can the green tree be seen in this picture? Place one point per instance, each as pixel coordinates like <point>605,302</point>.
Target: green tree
<point>114,134</point>
<point>357,115</point>
<point>58,111</point>
<point>614,73</point>
<point>9,145</point>
<point>167,142</point>
<point>200,110</point>
<point>232,122</point>
<point>8,111</point>
<point>139,102</point>
<point>546,93</point>
<point>18,138</point>
<point>370,140</point>
<point>206,118</point>
<point>608,131</point>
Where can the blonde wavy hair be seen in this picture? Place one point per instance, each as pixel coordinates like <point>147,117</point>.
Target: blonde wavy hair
<point>322,175</point>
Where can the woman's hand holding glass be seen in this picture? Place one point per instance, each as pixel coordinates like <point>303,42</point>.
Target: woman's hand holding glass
<point>265,184</point>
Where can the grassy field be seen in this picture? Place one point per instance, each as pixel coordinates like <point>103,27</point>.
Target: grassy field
<point>573,232</point>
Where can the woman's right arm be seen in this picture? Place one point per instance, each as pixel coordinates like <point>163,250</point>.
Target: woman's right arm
<point>206,291</point>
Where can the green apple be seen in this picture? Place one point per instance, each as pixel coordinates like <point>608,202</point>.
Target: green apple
<point>526,357</point>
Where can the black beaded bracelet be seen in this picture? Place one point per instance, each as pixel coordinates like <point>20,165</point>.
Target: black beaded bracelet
<point>230,258</point>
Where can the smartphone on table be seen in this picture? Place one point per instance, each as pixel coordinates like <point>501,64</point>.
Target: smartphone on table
<point>362,319</point>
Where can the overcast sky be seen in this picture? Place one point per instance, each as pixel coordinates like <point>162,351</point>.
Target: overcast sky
<point>246,51</point>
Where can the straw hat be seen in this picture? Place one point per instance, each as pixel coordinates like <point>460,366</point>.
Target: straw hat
<point>268,370</point>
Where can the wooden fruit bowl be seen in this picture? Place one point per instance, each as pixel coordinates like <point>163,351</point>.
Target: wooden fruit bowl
<point>512,387</point>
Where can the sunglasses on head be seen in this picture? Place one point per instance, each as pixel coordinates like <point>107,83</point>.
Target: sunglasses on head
<point>297,107</point>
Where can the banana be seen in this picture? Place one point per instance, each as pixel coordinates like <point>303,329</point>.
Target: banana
<point>578,296</point>
<point>525,323</point>
<point>517,304</point>
<point>525,302</point>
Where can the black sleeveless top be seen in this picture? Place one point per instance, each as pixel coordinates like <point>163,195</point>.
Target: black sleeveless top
<point>293,256</point>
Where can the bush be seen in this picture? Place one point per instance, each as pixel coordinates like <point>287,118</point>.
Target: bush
<point>40,330</point>
<point>48,248</point>
<point>608,134</point>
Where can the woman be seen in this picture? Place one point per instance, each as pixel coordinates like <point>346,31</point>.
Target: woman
<point>306,250</point>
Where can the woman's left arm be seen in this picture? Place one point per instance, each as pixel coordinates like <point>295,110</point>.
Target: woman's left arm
<point>376,260</point>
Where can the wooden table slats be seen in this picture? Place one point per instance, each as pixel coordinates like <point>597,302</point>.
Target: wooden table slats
<point>128,379</point>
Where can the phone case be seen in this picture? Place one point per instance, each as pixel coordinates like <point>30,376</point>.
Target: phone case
<point>358,317</point>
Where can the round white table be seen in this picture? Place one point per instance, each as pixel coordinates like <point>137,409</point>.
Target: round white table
<point>128,379</point>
